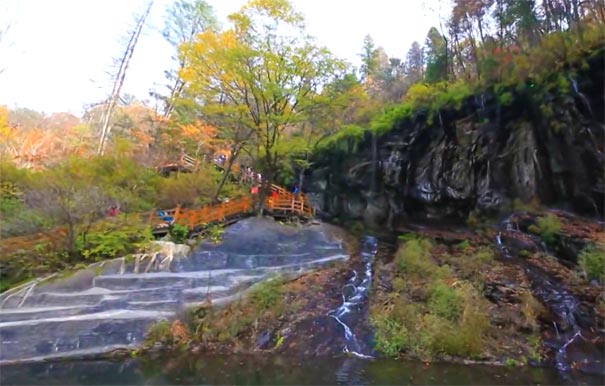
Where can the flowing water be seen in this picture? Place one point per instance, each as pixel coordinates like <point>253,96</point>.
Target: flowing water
<point>241,370</point>
<point>106,307</point>
<point>570,342</point>
<point>354,298</point>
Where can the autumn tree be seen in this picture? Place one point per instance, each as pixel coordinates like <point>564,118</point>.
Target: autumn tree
<point>263,75</point>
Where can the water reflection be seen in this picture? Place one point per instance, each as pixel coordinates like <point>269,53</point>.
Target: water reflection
<point>238,370</point>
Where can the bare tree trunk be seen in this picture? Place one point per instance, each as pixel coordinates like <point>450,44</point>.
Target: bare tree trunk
<point>227,171</point>
<point>119,81</point>
<point>177,91</point>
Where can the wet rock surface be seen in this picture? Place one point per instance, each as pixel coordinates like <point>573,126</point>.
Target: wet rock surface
<point>112,305</point>
<point>574,328</point>
<point>475,159</point>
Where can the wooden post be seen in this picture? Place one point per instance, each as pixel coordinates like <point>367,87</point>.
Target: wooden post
<point>177,212</point>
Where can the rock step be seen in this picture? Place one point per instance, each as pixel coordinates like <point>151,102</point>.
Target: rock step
<point>134,281</point>
<point>36,313</point>
<point>33,338</point>
<point>99,296</point>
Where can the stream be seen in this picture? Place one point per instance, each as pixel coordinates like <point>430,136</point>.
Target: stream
<point>354,298</point>
<point>571,343</point>
<point>247,370</point>
<point>52,333</point>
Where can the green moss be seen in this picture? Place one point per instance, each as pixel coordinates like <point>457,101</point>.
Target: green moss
<point>353,133</point>
<point>463,245</point>
<point>534,229</point>
<point>510,362</point>
<point>524,253</point>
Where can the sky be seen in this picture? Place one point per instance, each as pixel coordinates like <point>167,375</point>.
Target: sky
<point>57,54</point>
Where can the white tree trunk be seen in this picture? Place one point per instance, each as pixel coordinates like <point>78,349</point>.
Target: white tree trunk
<point>119,80</point>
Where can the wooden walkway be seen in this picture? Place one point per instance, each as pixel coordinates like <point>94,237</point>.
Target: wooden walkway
<point>284,204</point>
<point>185,164</point>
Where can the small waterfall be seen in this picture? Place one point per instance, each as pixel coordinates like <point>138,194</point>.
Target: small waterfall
<point>553,295</point>
<point>583,98</point>
<point>354,295</point>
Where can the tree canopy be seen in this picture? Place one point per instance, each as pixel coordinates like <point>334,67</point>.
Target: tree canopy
<point>263,74</point>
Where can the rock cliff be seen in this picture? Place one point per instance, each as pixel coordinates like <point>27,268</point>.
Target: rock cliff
<point>545,144</point>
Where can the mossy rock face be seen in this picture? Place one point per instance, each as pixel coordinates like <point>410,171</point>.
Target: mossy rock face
<point>448,162</point>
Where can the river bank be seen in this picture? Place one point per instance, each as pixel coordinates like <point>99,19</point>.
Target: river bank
<point>437,295</point>
<point>432,295</point>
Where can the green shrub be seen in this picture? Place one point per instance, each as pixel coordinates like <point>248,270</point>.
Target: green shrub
<point>17,219</point>
<point>179,233</point>
<point>472,220</point>
<point>464,338</point>
<point>357,227</point>
<point>159,332</point>
<point>464,245</point>
<point>592,262</point>
<point>550,226</point>
<point>268,295</point>
<point>524,253</point>
<point>390,337</point>
<point>215,233</point>
<point>413,257</point>
<point>111,238</point>
<point>398,284</point>
<point>506,98</point>
<point>483,255</point>
<point>444,301</point>
<point>188,189</point>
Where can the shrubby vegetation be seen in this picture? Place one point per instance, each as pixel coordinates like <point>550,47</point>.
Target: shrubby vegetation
<point>429,313</point>
<point>548,227</point>
<point>592,262</point>
<point>76,195</point>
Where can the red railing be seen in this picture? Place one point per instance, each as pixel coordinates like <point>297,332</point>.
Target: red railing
<point>283,203</point>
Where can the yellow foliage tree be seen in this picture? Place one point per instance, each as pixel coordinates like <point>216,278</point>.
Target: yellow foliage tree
<point>259,77</point>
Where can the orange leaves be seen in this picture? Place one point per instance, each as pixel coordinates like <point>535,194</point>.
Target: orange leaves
<point>198,133</point>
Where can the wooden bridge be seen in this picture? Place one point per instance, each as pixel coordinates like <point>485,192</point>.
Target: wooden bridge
<point>185,163</point>
<point>281,204</point>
